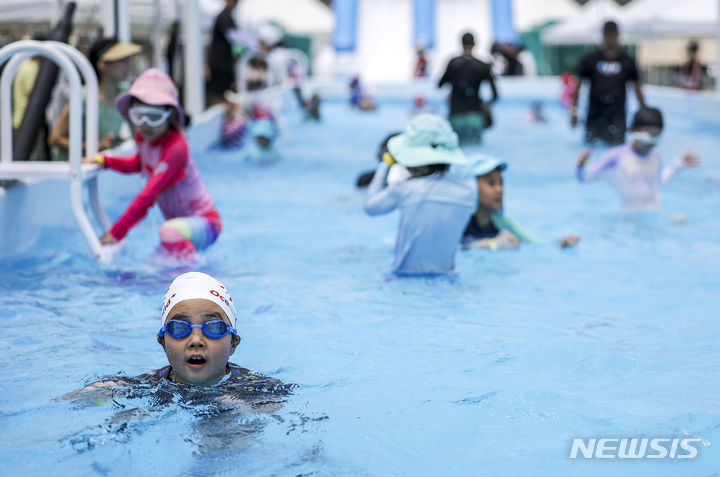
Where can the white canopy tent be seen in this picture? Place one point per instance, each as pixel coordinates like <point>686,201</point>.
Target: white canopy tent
<point>46,11</point>
<point>300,17</point>
<point>658,18</point>
<point>586,26</point>
<point>304,17</point>
<point>639,20</point>
<point>528,14</point>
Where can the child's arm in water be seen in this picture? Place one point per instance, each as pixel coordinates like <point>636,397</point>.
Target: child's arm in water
<point>687,159</point>
<point>97,393</point>
<point>505,223</point>
<point>381,199</point>
<point>525,237</point>
<point>598,168</point>
<point>503,241</point>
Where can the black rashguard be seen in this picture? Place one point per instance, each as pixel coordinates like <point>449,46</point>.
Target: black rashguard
<point>221,61</point>
<point>466,73</point>
<point>473,231</point>
<point>608,85</point>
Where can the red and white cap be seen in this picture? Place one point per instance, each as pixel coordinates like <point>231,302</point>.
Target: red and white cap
<point>198,285</point>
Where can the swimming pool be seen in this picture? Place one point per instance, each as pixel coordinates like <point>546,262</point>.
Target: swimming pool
<point>493,371</point>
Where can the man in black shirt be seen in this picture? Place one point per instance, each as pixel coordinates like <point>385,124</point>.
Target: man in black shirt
<point>609,69</point>
<point>224,48</point>
<point>468,114</point>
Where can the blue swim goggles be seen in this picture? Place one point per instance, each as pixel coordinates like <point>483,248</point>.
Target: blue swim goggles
<point>215,329</point>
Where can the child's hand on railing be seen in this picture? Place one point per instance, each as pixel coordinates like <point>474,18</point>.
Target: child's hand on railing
<point>97,159</point>
<point>108,239</point>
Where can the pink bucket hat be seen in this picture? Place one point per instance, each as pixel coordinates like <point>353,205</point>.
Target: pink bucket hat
<point>155,88</point>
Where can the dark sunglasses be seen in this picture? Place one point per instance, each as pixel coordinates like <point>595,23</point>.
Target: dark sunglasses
<point>212,329</point>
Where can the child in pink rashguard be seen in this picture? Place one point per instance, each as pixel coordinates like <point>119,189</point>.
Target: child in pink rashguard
<point>174,183</point>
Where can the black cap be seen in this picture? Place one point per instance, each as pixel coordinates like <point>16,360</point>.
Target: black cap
<point>610,27</point>
<point>468,39</point>
<point>99,47</point>
<point>647,117</point>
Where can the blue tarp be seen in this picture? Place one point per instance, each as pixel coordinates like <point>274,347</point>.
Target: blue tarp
<point>345,34</point>
<point>502,22</point>
<point>424,23</point>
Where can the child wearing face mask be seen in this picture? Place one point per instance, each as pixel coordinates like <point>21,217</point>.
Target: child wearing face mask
<point>635,168</point>
<point>174,183</point>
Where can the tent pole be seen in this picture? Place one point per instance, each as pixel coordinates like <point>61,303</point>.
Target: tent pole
<point>194,86</point>
<point>717,47</point>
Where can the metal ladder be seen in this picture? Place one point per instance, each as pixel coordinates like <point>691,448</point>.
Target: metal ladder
<point>72,63</point>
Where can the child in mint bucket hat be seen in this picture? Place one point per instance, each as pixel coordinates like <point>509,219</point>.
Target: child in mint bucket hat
<point>434,205</point>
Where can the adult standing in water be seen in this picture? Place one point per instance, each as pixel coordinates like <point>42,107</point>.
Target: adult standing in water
<point>692,73</point>
<point>608,69</point>
<point>468,114</point>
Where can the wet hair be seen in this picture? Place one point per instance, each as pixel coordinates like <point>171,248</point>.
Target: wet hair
<point>40,35</point>
<point>610,27</point>
<point>468,39</point>
<point>364,179</point>
<point>647,117</point>
<point>429,169</point>
<point>384,144</point>
<point>98,49</point>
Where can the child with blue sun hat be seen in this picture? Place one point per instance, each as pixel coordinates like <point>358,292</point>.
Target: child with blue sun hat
<point>488,226</point>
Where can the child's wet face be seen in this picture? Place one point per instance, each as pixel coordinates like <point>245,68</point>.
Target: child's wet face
<point>214,352</point>
<point>490,190</point>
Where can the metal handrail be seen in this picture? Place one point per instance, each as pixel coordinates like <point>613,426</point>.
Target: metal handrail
<point>69,61</point>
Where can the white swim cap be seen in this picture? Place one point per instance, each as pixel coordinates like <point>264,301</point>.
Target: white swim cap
<point>194,285</point>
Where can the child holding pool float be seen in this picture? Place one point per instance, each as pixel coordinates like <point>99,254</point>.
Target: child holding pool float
<point>635,168</point>
<point>174,183</point>
<point>434,204</point>
<point>489,227</point>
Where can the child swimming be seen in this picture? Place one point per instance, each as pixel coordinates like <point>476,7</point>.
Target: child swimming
<point>434,204</point>
<point>635,168</point>
<point>359,98</point>
<point>198,334</point>
<point>489,227</point>
<point>262,150</point>
<point>192,221</point>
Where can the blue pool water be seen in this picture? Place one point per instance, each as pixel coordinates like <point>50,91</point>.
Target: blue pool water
<point>491,372</point>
